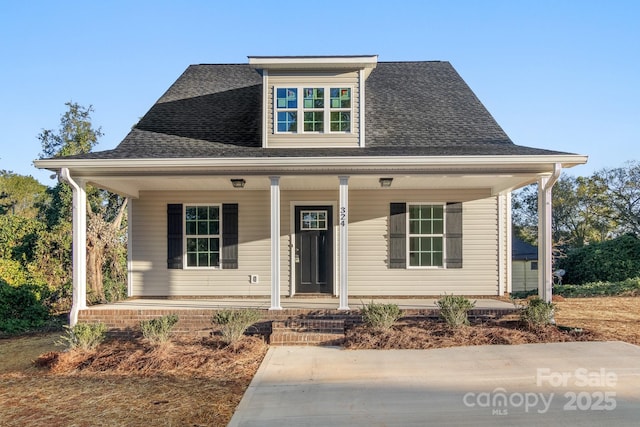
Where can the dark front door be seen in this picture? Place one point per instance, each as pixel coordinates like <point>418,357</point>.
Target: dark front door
<point>314,249</point>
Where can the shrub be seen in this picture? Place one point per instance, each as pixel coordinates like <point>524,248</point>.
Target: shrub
<point>628,287</point>
<point>158,330</point>
<point>234,323</point>
<point>84,336</point>
<point>454,310</point>
<point>22,307</point>
<point>537,313</point>
<point>612,260</point>
<point>380,316</point>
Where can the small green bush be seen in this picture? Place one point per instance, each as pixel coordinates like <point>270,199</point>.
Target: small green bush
<point>537,313</point>
<point>158,330</point>
<point>22,307</point>
<point>454,309</point>
<point>84,336</point>
<point>380,316</point>
<point>234,323</point>
<point>628,287</point>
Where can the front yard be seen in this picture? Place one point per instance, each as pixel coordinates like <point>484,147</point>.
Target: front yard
<point>200,382</point>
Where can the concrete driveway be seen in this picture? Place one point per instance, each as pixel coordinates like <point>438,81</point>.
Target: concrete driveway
<point>581,383</point>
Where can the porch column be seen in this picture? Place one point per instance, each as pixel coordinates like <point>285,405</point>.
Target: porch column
<point>275,243</point>
<point>545,238</point>
<point>79,242</point>
<point>344,242</point>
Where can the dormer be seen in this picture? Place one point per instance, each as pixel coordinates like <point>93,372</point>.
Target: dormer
<point>313,101</point>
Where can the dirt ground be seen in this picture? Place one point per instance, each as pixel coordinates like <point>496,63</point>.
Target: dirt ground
<point>200,382</point>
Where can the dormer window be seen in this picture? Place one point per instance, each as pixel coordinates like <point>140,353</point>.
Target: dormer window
<point>313,101</point>
<point>315,111</point>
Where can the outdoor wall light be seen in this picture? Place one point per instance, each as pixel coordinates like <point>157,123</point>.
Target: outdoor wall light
<point>238,182</point>
<point>386,182</point>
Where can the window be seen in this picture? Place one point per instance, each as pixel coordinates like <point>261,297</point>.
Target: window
<point>202,235</point>
<point>426,235</point>
<point>534,265</point>
<point>313,109</point>
<point>313,220</point>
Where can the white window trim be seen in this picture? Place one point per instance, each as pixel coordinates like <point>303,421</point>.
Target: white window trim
<point>444,238</point>
<point>300,110</point>
<point>185,266</point>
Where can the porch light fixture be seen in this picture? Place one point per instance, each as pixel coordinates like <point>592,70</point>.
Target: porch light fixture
<point>238,182</point>
<point>386,182</point>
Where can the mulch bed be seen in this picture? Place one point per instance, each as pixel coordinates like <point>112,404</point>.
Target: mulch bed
<point>425,334</point>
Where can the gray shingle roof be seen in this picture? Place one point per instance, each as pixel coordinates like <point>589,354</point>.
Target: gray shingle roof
<point>412,109</point>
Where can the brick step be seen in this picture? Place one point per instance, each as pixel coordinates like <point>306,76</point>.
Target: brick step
<point>307,332</point>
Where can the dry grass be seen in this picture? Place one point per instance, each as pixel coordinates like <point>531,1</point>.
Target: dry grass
<point>197,382</point>
<point>200,382</point>
<point>613,318</point>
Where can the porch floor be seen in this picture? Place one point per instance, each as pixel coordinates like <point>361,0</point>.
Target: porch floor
<point>295,303</point>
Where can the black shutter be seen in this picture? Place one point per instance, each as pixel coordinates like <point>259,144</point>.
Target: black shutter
<point>454,235</point>
<point>398,235</point>
<point>229,236</point>
<point>174,236</point>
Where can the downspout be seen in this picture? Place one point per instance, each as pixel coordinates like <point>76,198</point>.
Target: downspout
<point>545,239</point>
<point>79,246</point>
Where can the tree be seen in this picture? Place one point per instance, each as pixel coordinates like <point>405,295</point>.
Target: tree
<point>106,236</point>
<point>623,195</point>
<point>580,213</point>
<point>20,194</point>
<point>76,134</point>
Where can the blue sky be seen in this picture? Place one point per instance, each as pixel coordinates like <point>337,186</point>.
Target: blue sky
<point>559,74</point>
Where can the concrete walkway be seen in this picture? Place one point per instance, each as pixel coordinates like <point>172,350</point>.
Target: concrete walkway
<point>582,383</point>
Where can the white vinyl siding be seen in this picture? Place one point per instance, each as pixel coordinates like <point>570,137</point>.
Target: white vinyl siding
<point>150,276</point>
<point>369,273</point>
<point>301,80</point>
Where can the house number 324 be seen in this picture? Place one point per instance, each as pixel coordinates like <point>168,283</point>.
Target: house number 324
<point>343,216</point>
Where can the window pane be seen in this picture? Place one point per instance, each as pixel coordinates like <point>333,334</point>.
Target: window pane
<point>414,259</point>
<point>437,259</point>
<point>340,121</point>
<point>313,121</point>
<point>214,227</point>
<point>203,228</point>
<point>313,98</point>
<point>191,245</point>
<point>437,244</point>
<point>192,260</point>
<point>425,259</point>
<point>191,213</point>
<point>340,97</point>
<point>287,121</point>
<point>437,227</point>
<point>287,98</point>
<point>191,228</point>
<point>203,260</point>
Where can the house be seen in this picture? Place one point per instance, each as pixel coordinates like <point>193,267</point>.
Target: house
<point>329,175</point>
<point>524,266</point>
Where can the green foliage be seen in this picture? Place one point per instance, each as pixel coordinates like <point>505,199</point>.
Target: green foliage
<point>380,316</point>
<point>627,287</point>
<point>612,260</point>
<point>114,290</point>
<point>158,330</point>
<point>20,195</point>
<point>75,135</point>
<point>84,336</point>
<point>454,309</point>
<point>234,323</point>
<point>22,307</point>
<point>537,313</point>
